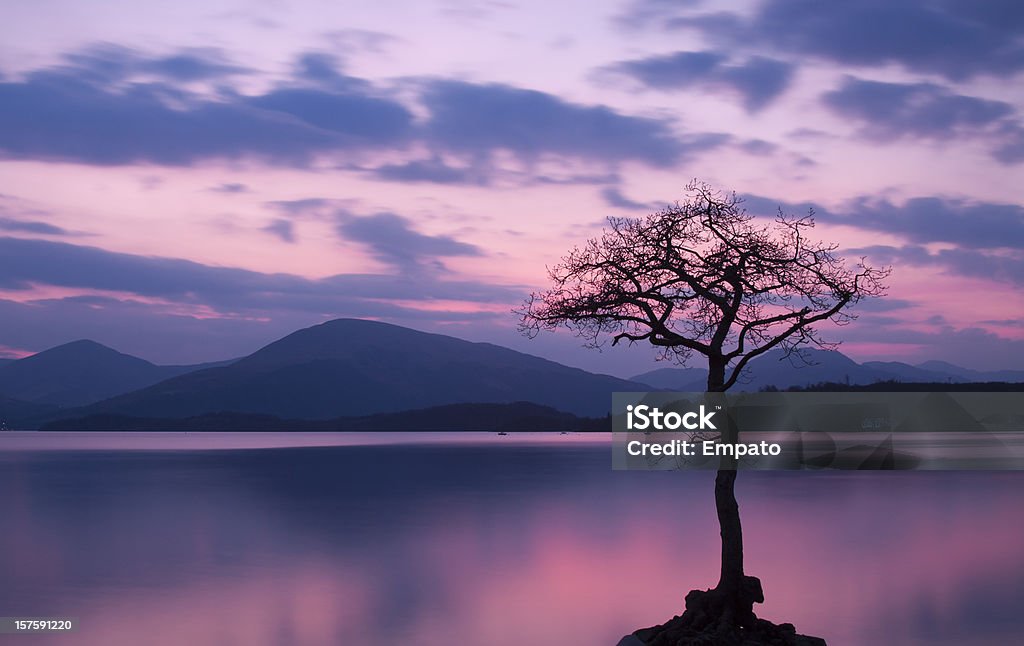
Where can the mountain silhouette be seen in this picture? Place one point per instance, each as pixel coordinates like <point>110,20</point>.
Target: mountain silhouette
<point>351,367</point>
<point>683,380</point>
<point>966,374</point>
<point>906,372</point>
<point>80,373</point>
<point>774,369</point>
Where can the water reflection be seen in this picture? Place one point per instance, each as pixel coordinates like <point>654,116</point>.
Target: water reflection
<point>487,546</point>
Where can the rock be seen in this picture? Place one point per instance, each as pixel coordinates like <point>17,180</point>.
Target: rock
<point>700,626</point>
<point>752,589</point>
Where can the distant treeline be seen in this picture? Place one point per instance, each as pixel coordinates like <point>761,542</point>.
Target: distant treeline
<point>904,387</point>
<point>519,416</point>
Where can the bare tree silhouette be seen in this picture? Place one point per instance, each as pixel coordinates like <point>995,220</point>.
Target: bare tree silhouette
<point>705,277</point>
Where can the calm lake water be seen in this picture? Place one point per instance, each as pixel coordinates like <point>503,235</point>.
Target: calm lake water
<point>477,540</point>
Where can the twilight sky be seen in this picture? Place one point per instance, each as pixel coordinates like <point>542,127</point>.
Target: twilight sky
<point>188,181</point>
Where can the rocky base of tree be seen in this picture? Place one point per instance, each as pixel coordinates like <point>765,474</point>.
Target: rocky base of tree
<point>760,633</point>
<point>705,624</point>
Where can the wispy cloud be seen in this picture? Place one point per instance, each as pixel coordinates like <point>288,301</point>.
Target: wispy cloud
<point>83,111</point>
<point>1006,267</point>
<point>971,224</point>
<point>614,197</point>
<point>393,239</point>
<point>891,111</point>
<point>31,226</point>
<point>24,263</point>
<point>758,80</point>
<point>283,229</point>
<point>230,188</point>
<point>955,39</point>
<point>482,119</point>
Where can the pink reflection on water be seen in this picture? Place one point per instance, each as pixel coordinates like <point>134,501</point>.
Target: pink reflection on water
<point>561,586</point>
<point>855,558</point>
<point>558,577</point>
<point>307,605</point>
<point>881,553</point>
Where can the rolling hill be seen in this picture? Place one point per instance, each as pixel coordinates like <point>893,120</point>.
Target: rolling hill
<point>352,367</point>
<point>80,373</point>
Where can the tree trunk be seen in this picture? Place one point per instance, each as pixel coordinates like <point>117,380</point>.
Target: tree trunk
<point>730,582</point>
<point>716,375</point>
<point>736,602</point>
